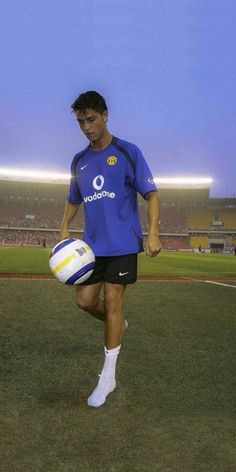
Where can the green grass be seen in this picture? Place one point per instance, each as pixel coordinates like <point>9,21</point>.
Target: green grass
<point>35,260</point>
<point>25,260</point>
<point>187,264</point>
<point>174,407</point>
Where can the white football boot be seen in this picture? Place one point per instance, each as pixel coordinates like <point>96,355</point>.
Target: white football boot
<point>105,386</point>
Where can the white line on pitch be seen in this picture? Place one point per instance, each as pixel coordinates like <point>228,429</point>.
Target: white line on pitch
<point>218,283</point>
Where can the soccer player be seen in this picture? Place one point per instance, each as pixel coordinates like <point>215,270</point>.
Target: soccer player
<point>106,176</point>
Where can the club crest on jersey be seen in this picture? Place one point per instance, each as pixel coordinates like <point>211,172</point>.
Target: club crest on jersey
<point>112,160</point>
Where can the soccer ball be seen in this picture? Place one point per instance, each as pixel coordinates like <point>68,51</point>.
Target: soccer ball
<point>72,261</point>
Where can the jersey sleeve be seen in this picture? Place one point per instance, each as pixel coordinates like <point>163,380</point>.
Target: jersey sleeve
<point>74,196</point>
<point>143,177</point>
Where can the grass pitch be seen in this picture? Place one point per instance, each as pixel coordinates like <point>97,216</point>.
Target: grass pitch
<point>35,261</point>
<point>174,407</point>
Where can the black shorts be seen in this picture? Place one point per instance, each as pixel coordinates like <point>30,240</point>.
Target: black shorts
<point>114,269</point>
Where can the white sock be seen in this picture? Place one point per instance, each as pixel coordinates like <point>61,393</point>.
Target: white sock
<point>109,367</point>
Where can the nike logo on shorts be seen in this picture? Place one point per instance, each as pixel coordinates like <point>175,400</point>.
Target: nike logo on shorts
<point>81,168</point>
<point>123,273</point>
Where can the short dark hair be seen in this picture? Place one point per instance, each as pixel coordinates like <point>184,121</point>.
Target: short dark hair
<point>90,99</point>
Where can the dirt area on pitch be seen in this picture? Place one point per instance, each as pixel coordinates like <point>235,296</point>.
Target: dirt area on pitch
<point>169,278</point>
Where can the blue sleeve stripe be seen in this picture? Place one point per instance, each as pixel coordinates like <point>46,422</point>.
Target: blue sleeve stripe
<point>124,152</point>
<point>59,246</point>
<point>70,200</point>
<point>80,273</point>
<point>150,191</point>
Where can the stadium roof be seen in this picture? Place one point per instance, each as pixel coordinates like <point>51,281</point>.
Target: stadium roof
<point>63,178</point>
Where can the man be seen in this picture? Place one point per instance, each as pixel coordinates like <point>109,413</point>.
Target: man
<point>106,177</point>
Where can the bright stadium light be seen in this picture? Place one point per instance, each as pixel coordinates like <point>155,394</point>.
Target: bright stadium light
<point>32,174</point>
<point>59,177</point>
<point>183,182</point>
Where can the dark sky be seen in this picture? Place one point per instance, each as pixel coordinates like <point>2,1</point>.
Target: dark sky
<point>167,69</point>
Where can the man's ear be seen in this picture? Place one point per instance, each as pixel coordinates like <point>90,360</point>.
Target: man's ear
<point>105,116</point>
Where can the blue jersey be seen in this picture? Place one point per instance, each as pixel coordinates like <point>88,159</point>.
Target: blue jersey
<point>107,182</point>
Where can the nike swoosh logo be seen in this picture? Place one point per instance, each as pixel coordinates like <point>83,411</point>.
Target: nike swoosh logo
<point>81,168</point>
<point>122,273</point>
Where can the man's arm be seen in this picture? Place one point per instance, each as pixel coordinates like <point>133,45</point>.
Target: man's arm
<point>70,211</point>
<point>153,244</point>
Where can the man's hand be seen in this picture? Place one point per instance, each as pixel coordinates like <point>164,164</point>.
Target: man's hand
<point>153,246</point>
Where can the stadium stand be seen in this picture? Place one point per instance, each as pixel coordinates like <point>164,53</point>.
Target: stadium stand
<point>199,218</point>
<point>175,243</point>
<point>197,242</point>
<point>228,218</point>
<point>33,211</point>
<point>172,221</point>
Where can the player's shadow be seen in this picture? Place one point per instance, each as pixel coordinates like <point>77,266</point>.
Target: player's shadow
<point>55,396</point>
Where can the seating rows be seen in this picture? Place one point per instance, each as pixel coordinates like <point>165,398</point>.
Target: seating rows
<point>199,241</point>
<point>36,217</point>
<point>172,221</point>
<point>207,219</point>
<point>229,218</point>
<point>35,238</point>
<point>175,242</point>
<point>199,219</point>
<point>31,238</point>
<point>49,216</point>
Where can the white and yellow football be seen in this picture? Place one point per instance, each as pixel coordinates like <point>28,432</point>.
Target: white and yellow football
<point>72,261</point>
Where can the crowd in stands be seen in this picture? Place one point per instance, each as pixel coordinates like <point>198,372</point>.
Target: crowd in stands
<point>49,217</point>
<point>27,237</point>
<point>32,238</point>
<point>172,221</point>
<point>175,243</point>
<point>23,224</point>
<point>37,217</point>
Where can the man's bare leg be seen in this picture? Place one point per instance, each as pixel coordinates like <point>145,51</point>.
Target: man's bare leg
<point>88,299</point>
<point>114,327</point>
<point>113,304</point>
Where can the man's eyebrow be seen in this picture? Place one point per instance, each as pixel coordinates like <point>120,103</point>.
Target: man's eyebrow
<point>80,120</point>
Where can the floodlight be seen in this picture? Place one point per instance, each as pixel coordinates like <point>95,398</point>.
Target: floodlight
<point>33,173</point>
<point>59,177</point>
<point>183,180</point>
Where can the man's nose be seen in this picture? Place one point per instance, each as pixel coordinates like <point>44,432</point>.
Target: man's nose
<point>86,126</point>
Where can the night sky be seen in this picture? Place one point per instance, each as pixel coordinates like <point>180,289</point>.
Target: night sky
<point>167,69</point>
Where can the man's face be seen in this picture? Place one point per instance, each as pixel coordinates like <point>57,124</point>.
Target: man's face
<point>92,123</point>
